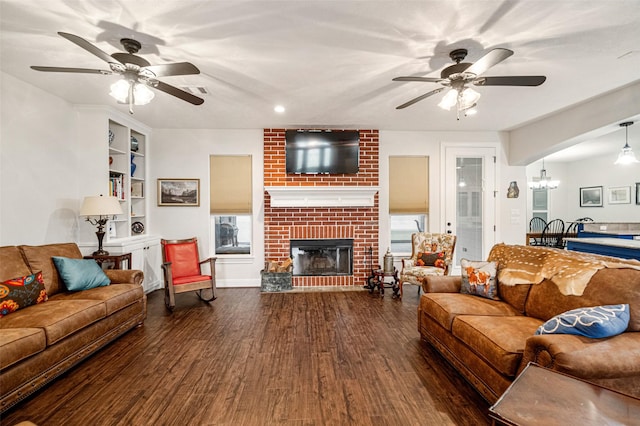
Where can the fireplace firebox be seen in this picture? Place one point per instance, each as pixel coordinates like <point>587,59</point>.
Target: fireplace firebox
<point>322,257</point>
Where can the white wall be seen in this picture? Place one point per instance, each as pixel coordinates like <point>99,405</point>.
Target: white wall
<point>39,177</point>
<point>511,216</point>
<point>185,154</point>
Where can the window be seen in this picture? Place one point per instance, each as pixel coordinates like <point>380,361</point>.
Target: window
<point>539,202</point>
<point>408,200</point>
<point>231,204</point>
<point>232,234</point>
<point>402,226</point>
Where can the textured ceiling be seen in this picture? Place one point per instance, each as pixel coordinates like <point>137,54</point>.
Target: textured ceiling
<point>330,63</point>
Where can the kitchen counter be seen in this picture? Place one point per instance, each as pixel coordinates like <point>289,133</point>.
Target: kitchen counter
<point>616,247</point>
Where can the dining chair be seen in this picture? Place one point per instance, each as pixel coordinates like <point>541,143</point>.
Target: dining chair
<point>552,234</point>
<point>536,224</point>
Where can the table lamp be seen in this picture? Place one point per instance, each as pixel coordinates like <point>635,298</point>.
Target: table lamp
<point>98,209</point>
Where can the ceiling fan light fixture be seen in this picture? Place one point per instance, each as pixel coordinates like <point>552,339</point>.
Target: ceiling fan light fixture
<point>142,95</point>
<point>468,99</point>
<point>626,155</point>
<point>472,110</point>
<point>449,100</point>
<point>120,90</point>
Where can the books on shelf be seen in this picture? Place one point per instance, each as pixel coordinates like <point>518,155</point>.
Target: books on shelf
<point>116,186</point>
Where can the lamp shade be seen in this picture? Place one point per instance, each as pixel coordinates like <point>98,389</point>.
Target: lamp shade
<point>100,206</point>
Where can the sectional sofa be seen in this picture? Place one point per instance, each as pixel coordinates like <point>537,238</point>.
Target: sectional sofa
<point>491,341</point>
<point>40,342</point>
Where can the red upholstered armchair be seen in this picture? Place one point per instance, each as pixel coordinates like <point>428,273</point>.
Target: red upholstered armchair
<point>183,271</point>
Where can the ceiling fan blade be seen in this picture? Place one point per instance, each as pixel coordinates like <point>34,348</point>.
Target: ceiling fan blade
<point>179,68</point>
<point>76,70</point>
<point>87,46</point>
<point>423,79</point>
<point>492,58</point>
<point>522,80</point>
<point>419,98</point>
<point>179,93</point>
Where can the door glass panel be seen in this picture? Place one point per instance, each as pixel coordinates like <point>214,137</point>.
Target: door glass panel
<point>469,220</point>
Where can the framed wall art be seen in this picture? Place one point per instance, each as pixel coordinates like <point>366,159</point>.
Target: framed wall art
<point>179,192</point>
<point>591,196</point>
<point>620,195</point>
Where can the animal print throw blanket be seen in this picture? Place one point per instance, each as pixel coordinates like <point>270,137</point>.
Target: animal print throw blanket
<point>569,270</point>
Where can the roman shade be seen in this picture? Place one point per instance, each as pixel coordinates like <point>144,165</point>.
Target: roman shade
<point>408,184</point>
<point>230,184</point>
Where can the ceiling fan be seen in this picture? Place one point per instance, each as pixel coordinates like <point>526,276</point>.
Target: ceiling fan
<point>461,75</point>
<point>137,73</point>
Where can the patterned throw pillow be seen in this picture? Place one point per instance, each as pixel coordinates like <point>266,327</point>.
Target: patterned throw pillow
<point>597,321</point>
<point>431,259</point>
<point>21,292</point>
<point>479,279</point>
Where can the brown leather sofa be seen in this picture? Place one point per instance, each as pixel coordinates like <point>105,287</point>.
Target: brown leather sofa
<point>491,341</point>
<point>40,342</point>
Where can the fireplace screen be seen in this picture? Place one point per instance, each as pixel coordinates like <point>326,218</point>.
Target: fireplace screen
<point>322,257</point>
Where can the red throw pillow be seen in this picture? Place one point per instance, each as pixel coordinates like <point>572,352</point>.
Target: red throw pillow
<point>431,259</point>
<point>21,292</point>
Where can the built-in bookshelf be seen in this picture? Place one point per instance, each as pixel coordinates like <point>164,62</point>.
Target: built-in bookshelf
<point>127,148</point>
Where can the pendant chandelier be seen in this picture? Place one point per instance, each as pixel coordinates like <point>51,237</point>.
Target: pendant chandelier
<point>544,181</point>
<point>626,156</point>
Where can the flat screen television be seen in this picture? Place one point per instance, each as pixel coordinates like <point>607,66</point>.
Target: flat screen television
<point>313,152</point>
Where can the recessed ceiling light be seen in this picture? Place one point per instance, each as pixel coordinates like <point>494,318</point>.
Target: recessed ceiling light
<point>279,109</point>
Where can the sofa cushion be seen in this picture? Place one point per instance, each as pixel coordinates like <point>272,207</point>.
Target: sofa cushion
<point>444,307</point>
<point>115,296</point>
<point>20,343</point>
<point>58,318</point>
<point>18,293</point>
<point>498,340</point>
<point>12,264</point>
<point>80,274</point>
<point>39,259</point>
<point>479,279</point>
<point>596,322</point>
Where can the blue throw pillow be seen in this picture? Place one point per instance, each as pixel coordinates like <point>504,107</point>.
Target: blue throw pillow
<point>80,274</point>
<point>597,321</point>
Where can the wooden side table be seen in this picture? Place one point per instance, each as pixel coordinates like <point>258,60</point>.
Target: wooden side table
<point>112,261</point>
<point>377,280</point>
<point>539,396</point>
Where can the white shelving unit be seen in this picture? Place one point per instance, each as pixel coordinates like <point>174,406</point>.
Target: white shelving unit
<point>125,142</point>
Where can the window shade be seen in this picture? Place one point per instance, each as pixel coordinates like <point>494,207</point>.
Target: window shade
<point>408,184</point>
<point>230,186</point>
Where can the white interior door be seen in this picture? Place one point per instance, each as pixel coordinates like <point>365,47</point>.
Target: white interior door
<point>469,199</point>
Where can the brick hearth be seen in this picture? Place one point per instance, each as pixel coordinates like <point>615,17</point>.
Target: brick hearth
<point>285,223</point>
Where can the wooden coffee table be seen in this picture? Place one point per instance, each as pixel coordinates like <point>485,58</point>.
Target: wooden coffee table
<point>539,396</point>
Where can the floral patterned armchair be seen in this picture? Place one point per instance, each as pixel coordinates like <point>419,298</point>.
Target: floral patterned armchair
<point>431,254</point>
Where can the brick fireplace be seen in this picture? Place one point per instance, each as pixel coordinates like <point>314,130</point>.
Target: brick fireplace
<point>342,219</point>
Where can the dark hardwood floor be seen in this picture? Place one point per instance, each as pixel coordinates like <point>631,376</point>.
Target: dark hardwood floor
<point>252,358</point>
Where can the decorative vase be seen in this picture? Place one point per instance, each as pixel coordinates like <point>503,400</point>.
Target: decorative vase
<point>133,165</point>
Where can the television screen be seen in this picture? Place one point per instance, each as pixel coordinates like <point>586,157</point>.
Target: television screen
<point>312,152</point>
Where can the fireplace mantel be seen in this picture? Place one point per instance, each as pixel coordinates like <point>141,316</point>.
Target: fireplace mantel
<point>322,196</point>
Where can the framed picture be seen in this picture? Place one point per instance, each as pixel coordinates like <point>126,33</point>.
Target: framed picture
<point>591,196</point>
<point>638,193</point>
<point>179,192</point>
<point>620,195</point>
